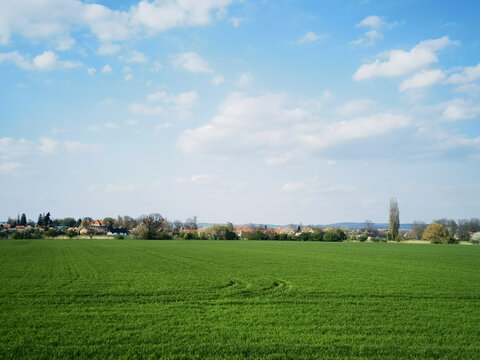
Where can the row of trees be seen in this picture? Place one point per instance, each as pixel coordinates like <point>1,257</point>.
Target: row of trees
<point>460,230</point>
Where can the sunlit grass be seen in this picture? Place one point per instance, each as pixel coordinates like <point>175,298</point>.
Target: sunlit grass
<point>237,299</point>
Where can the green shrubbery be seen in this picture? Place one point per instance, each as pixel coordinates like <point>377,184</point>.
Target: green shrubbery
<point>437,234</point>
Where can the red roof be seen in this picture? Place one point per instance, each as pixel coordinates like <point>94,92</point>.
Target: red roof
<point>242,228</point>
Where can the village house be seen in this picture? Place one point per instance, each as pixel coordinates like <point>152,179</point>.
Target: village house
<point>241,230</point>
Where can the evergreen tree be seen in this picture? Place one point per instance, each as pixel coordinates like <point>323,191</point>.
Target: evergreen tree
<point>40,220</point>
<point>46,220</point>
<point>23,220</point>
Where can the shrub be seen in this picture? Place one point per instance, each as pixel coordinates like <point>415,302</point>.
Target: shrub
<point>317,235</point>
<point>189,236</point>
<point>51,233</point>
<point>436,234</point>
<point>164,236</point>
<point>304,237</point>
<point>335,235</point>
<point>119,237</point>
<point>256,235</point>
<point>71,233</point>
<point>362,237</point>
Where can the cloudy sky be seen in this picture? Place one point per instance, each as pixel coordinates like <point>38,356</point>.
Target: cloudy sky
<point>245,111</point>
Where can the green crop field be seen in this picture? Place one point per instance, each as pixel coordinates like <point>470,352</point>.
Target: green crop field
<point>238,299</point>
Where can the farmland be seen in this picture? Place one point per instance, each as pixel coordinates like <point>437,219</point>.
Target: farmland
<point>238,299</point>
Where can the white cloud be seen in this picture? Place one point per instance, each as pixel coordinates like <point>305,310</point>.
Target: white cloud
<point>162,15</point>
<point>277,129</point>
<point>423,79</point>
<point>217,80</point>
<point>375,25</point>
<point>400,62</point>
<point>459,109</point>
<point>157,66</point>
<point>11,148</point>
<point>160,127</point>
<point>47,145</point>
<point>135,57</point>
<point>110,125</point>
<point>107,69</point>
<point>45,19</point>
<point>108,49</point>
<point>236,21</point>
<point>145,109</point>
<point>131,122</point>
<point>356,107</point>
<point>245,80</point>
<point>160,102</point>
<point>11,168</point>
<point>196,179</point>
<point>47,61</point>
<point>467,75</point>
<point>37,19</point>
<point>374,22</point>
<point>80,148</point>
<point>65,44</point>
<point>191,61</point>
<point>91,71</point>
<point>310,37</point>
<point>128,77</point>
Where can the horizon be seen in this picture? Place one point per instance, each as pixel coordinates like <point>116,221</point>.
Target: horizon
<point>242,111</point>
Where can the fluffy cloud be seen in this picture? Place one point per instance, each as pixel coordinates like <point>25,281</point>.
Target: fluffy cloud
<point>135,57</point>
<point>107,69</point>
<point>47,61</point>
<point>245,80</point>
<point>191,61</point>
<point>459,109</point>
<point>423,79</point>
<point>11,168</point>
<point>400,62</point>
<point>275,128</point>
<point>467,75</point>
<point>108,49</point>
<point>217,80</point>
<point>356,107</point>
<point>236,21</point>
<point>160,103</point>
<point>310,37</point>
<point>11,148</point>
<point>375,25</point>
<point>36,19</point>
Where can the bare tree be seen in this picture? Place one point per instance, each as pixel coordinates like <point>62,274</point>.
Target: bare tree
<point>191,223</point>
<point>369,227</point>
<point>418,228</point>
<point>394,219</point>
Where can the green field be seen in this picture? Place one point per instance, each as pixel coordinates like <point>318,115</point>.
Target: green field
<point>238,299</point>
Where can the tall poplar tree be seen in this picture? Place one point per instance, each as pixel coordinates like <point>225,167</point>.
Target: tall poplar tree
<point>394,219</point>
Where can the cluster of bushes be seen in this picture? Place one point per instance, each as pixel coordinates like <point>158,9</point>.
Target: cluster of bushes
<point>35,233</point>
<point>226,232</point>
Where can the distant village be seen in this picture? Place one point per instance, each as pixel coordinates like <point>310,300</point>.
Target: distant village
<point>155,226</point>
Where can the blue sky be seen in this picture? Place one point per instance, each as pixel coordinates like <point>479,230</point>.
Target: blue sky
<point>242,111</point>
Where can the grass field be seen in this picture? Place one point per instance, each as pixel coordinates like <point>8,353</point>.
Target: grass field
<point>238,299</point>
